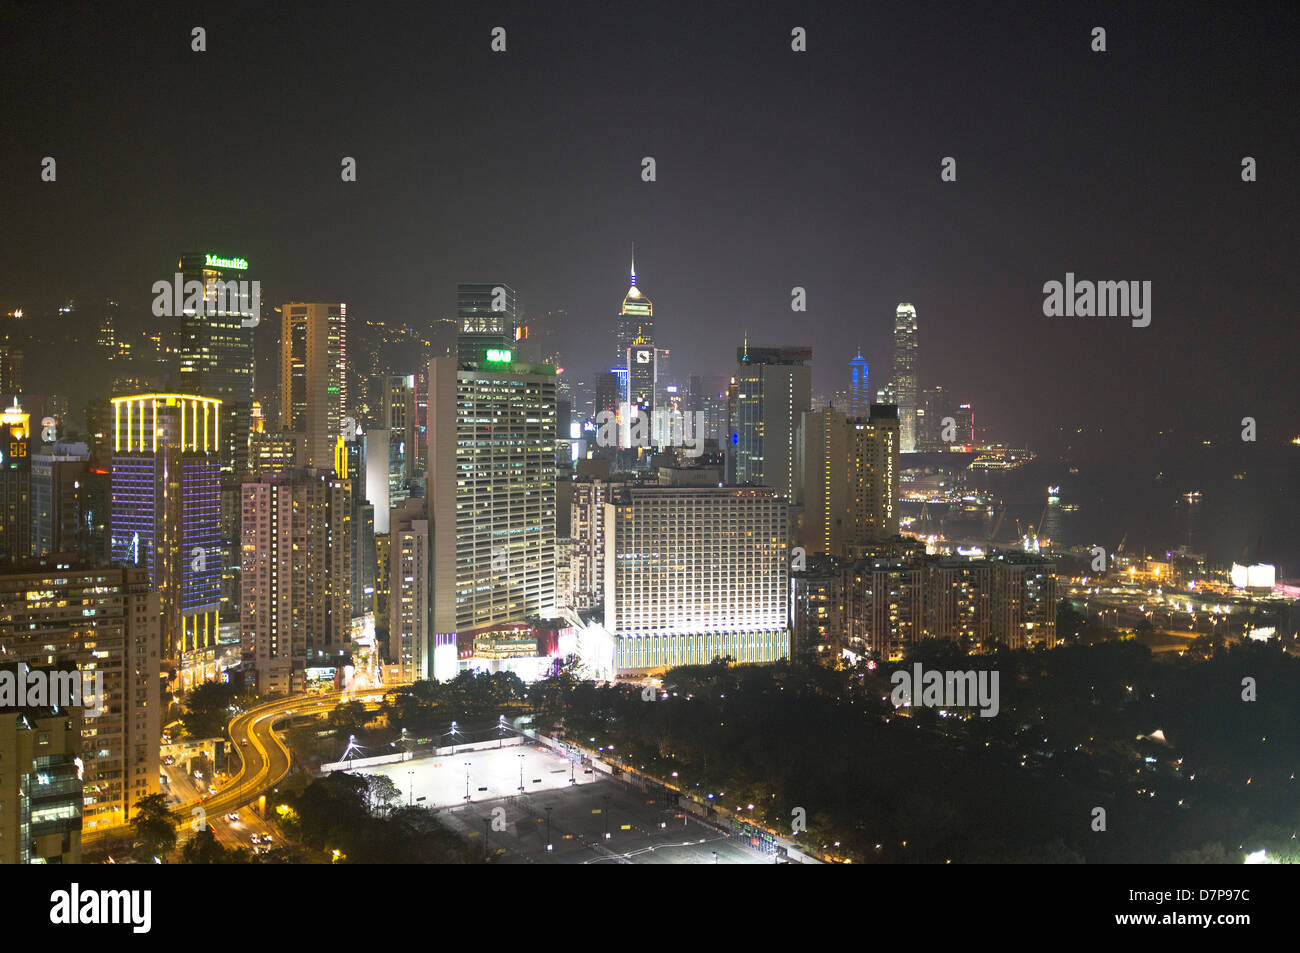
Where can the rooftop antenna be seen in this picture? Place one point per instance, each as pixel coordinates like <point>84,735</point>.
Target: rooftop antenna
<point>634,264</point>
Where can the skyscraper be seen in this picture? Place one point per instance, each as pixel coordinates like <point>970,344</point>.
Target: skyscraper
<point>491,494</point>
<point>167,511</point>
<point>774,391</point>
<point>636,322</point>
<point>859,387</point>
<point>216,352</point>
<point>488,315</point>
<point>313,376</point>
<point>904,383</point>
<point>296,584</point>
<point>850,473</point>
<point>15,482</point>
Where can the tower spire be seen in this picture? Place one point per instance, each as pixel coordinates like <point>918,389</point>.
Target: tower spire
<point>634,264</point>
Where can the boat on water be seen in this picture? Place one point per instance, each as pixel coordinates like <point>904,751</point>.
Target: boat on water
<point>1193,496</point>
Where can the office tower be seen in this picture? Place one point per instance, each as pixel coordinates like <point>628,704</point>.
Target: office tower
<point>607,393</point>
<point>216,351</point>
<point>58,504</point>
<point>167,514</point>
<point>11,367</point>
<point>904,383</point>
<point>313,376</point>
<point>383,574</point>
<point>636,322</point>
<point>409,561</point>
<point>587,532</point>
<point>107,345</point>
<point>731,436</point>
<point>965,417</point>
<point>15,482</point>
<point>859,387</point>
<point>693,574</point>
<point>774,391</point>
<point>491,494</point>
<point>105,622</point>
<point>40,786</point>
<point>351,466</point>
<point>488,315</point>
<point>849,473</point>
<point>296,584</point>
<point>935,405</point>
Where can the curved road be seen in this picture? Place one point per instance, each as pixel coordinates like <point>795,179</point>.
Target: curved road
<point>264,762</point>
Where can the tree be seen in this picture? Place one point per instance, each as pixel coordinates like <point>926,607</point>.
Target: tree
<point>153,828</point>
<point>381,793</point>
<point>350,717</point>
<point>203,848</point>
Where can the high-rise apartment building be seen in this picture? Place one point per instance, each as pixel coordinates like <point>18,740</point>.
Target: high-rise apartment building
<point>409,580</point>
<point>167,514</point>
<point>296,584</point>
<point>313,376</point>
<point>587,534</point>
<point>106,623</point>
<point>491,493</point>
<point>774,391</point>
<point>696,573</point>
<point>849,470</point>
<point>60,504</point>
<point>904,383</point>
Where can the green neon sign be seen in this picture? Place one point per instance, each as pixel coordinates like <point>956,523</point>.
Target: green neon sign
<point>498,356</point>
<point>238,263</point>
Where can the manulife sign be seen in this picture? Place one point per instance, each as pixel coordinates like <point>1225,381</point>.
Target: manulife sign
<point>214,261</point>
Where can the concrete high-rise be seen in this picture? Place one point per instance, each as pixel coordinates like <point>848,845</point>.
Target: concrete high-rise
<point>106,623</point>
<point>409,579</point>
<point>774,391</point>
<point>296,584</point>
<point>491,494</point>
<point>850,476</point>
<point>313,376</point>
<point>904,383</point>
<point>695,573</point>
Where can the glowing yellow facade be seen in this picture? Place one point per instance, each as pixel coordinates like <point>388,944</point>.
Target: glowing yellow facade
<point>136,426</point>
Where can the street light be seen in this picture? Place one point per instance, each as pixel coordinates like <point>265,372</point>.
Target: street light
<point>606,812</point>
<point>411,797</point>
<point>467,764</point>
<point>549,845</point>
<point>521,773</point>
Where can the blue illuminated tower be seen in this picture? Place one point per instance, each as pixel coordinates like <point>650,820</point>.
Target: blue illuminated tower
<point>859,392</point>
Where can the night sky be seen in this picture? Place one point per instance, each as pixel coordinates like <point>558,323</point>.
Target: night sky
<point>775,169</point>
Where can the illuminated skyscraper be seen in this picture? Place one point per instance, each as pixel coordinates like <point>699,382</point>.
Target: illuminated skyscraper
<point>167,511</point>
<point>904,383</point>
<point>313,376</point>
<point>15,482</point>
<point>859,388</point>
<point>490,494</point>
<point>216,351</point>
<point>636,340</point>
